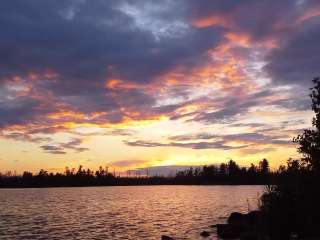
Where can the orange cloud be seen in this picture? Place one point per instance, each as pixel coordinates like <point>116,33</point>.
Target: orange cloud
<point>225,68</point>
<point>66,114</point>
<point>241,39</point>
<point>119,84</point>
<point>113,83</point>
<point>209,21</point>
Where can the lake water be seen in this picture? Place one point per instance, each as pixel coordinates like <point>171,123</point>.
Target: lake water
<point>135,212</point>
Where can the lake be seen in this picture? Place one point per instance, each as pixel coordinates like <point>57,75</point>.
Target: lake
<point>133,212</point>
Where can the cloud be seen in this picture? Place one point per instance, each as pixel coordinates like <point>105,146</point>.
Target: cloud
<point>192,145</point>
<point>74,144</point>
<point>129,163</point>
<point>296,60</point>
<point>289,34</point>
<point>218,141</point>
<point>122,132</point>
<point>65,52</point>
<point>53,149</point>
<point>19,136</point>
<point>61,147</point>
<point>98,35</point>
<point>258,138</point>
<point>199,136</point>
<point>233,105</point>
<point>103,63</point>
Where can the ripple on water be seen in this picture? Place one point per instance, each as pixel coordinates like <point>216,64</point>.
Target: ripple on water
<point>144,212</point>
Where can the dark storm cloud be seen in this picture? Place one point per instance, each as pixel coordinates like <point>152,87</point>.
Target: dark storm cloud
<point>246,16</point>
<point>83,44</point>
<point>20,110</point>
<point>297,59</point>
<point>80,39</point>
<point>75,46</point>
<point>293,24</point>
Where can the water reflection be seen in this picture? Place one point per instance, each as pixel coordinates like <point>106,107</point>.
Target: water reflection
<point>143,212</point>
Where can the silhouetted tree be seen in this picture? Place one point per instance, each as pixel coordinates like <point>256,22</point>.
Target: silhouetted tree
<point>252,170</point>
<point>293,166</point>
<point>264,166</point>
<point>27,175</point>
<point>282,169</point>
<point>233,168</point>
<point>223,169</point>
<point>43,173</point>
<point>309,140</point>
<point>209,171</point>
<point>197,172</point>
<point>190,172</point>
<point>67,171</point>
<point>229,173</point>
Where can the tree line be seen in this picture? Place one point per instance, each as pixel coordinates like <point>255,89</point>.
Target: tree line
<point>225,173</point>
<point>228,173</point>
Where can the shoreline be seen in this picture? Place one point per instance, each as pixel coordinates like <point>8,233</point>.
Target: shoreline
<point>128,185</point>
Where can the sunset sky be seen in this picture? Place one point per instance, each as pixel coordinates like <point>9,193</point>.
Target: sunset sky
<point>133,83</point>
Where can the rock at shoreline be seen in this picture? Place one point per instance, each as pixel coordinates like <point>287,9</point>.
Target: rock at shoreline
<point>250,219</point>
<point>229,231</point>
<point>204,234</point>
<point>164,237</point>
<point>243,226</point>
<point>253,217</point>
<point>237,219</point>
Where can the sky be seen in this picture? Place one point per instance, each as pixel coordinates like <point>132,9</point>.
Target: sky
<point>137,83</point>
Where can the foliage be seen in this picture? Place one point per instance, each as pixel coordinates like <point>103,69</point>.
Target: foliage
<point>309,140</point>
<point>293,204</point>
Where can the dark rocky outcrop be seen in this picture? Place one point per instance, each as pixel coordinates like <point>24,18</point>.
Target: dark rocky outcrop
<point>250,219</point>
<point>165,237</point>
<point>243,226</point>
<point>204,234</point>
<point>236,219</point>
<point>228,231</point>
<point>254,218</point>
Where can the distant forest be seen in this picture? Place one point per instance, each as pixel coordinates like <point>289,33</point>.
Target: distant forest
<point>226,173</point>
